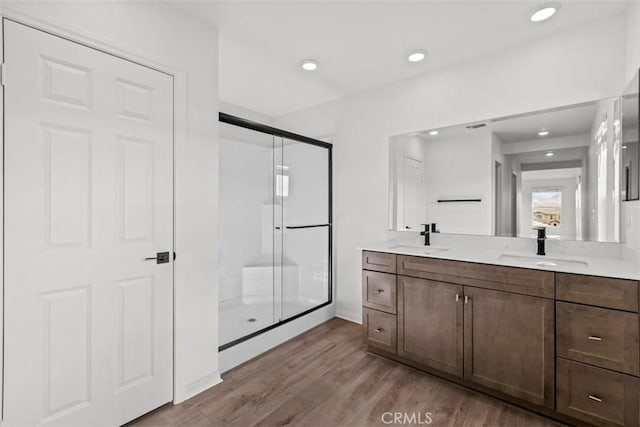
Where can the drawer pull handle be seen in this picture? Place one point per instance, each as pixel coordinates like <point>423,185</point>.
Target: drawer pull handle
<point>378,291</point>
<point>457,297</point>
<point>593,338</point>
<point>466,299</point>
<point>596,398</point>
<point>377,330</point>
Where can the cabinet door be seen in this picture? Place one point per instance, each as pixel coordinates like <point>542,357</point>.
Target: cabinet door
<point>509,344</point>
<point>430,323</point>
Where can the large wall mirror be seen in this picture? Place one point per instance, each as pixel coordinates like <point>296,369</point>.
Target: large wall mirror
<point>567,169</point>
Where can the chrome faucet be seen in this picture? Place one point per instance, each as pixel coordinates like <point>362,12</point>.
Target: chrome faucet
<point>542,236</point>
<point>426,233</point>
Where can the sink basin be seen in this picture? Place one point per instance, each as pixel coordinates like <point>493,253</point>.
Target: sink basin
<point>422,250</point>
<point>543,261</point>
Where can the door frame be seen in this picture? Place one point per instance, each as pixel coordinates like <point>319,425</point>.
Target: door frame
<point>179,136</point>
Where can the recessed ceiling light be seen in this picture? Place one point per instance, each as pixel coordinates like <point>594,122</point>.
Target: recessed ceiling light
<point>309,64</point>
<point>434,132</point>
<point>416,56</point>
<point>543,133</point>
<point>545,12</point>
<point>549,153</point>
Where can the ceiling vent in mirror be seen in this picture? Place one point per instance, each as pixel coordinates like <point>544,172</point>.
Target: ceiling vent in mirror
<point>476,126</point>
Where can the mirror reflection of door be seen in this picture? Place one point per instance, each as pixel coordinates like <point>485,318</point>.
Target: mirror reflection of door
<point>413,212</point>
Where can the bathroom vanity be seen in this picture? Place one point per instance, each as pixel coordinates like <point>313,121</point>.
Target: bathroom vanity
<point>560,340</point>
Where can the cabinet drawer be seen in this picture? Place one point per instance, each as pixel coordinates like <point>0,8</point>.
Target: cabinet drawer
<point>510,279</point>
<point>598,336</point>
<point>596,395</point>
<point>602,291</point>
<point>379,330</point>
<point>379,261</point>
<point>379,291</point>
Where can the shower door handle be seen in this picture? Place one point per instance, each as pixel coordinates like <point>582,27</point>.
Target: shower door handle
<point>296,227</point>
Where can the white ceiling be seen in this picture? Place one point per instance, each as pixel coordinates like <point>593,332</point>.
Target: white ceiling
<point>552,174</point>
<point>361,44</point>
<point>560,155</point>
<point>566,121</point>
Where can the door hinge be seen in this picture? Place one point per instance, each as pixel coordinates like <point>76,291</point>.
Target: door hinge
<point>3,74</point>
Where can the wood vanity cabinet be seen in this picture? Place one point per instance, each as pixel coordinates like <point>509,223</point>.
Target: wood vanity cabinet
<point>566,345</point>
<point>430,323</point>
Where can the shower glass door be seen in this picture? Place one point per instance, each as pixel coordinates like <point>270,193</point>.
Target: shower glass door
<point>305,180</point>
<point>248,290</point>
<point>275,228</point>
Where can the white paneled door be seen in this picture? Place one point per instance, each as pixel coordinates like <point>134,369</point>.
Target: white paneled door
<point>88,196</point>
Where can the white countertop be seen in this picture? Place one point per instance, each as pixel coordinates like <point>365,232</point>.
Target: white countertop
<point>601,259</point>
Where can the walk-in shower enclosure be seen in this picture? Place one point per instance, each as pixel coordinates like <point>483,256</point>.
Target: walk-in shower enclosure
<point>275,227</point>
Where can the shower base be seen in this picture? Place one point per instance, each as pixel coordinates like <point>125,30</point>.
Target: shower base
<point>242,316</point>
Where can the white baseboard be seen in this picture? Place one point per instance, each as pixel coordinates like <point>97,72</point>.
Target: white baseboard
<point>198,386</point>
<point>351,317</point>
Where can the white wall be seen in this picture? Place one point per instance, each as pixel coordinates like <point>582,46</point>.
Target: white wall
<point>632,41</point>
<point>460,167</point>
<point>156,34</point>
<point>570,67</point>
<point>245,113</point>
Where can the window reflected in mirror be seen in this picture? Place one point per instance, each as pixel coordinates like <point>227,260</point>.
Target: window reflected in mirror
<point>546,205</point>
